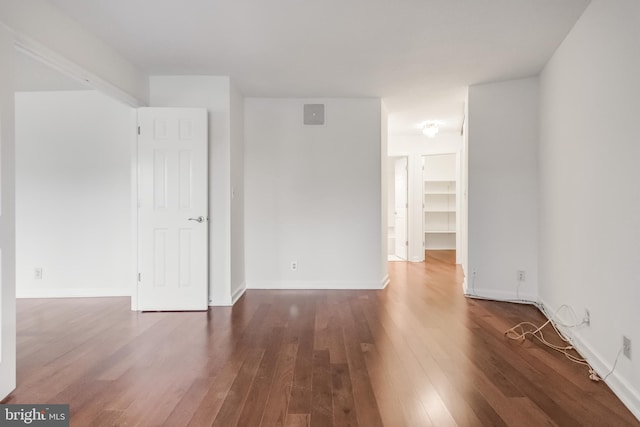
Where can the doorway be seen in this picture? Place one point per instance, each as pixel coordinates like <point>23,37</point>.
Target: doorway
<point>440,206</point>
<point>398,205</point>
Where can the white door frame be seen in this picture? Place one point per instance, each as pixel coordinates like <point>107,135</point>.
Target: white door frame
<point>7,221</point>
<point>407,237</point>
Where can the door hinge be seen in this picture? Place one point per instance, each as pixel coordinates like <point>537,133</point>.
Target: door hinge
<point>139,277</point>
<point>138,130</point>
<point>406,243</point>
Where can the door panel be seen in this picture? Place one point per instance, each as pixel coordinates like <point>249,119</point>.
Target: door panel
<point>172,156</point>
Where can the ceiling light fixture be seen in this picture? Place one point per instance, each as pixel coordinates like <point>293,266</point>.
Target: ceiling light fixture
<point>430,129</point>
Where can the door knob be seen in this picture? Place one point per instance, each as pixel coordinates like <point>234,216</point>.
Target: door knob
<point>199,219</point>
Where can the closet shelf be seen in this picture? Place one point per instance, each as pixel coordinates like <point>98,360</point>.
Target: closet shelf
<point>439,201</point>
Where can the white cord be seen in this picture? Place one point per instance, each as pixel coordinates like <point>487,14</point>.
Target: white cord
<point>614,365</point>
<point>555,316</point>
<point>537,333</point>
<point>519,333</point>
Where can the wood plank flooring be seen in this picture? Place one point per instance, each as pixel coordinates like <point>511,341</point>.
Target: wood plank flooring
<point>415,354</point>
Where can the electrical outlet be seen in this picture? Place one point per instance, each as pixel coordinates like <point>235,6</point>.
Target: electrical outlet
<point>522,276</point>
<point>626,347</point>
<point>37,274</point>
<point>587,317</point>
<point>294,265</point>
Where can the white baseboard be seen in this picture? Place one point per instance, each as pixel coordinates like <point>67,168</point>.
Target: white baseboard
<point>385,281</point>
<point>627,394</point>
<point>72,292</point>
<point>238,293</point>
<point>500,295</point>
<point>319,284</point>
<point>231,300</point>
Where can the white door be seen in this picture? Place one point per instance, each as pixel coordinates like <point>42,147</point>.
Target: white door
<point>401,207</point>
<point>172,209</point>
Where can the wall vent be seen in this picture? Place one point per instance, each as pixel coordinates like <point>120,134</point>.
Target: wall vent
<point>313,114</point>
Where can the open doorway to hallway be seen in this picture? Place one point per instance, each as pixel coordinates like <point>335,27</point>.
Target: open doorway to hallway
<point>398,204</point>
<point>434,189</point>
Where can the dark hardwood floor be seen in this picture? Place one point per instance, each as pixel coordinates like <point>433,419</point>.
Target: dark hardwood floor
<point>415,354</point>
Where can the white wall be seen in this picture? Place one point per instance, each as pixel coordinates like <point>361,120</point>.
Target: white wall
<point>7,219</point>
<point>313,194</point>
<point>440,167</point>
<point>391,200</point>
<point>503,193</point>
<point>383,166</point>
<point>589,175</point>
<point>462,242</point>
<point>40,27</point>
<point>238,284</point>
<point>415,147</point>
<point>215,94</point>
<point>73,201</point>
<point>419,145</point>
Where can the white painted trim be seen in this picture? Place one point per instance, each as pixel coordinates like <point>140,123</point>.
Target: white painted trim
<point>73,292</point>
<point>629,396</point>
<point>620,387</point>
<point>7,220</point>
<point>59,63</point>
<point>316,284</point>
<point>238,293</point>
<point>228,302</point>
<point>465,282</point>
<point>385,281</point>
<point>501,295</point>
<point>458,207</point>
<point>134,212</point>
